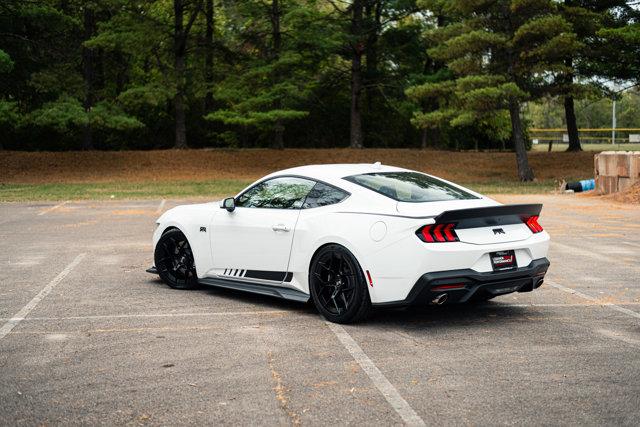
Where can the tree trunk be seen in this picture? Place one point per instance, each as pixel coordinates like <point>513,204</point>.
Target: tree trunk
<point>355,140</point>
<point>243,137</point>
<point>374,15</point>
<point>569,111</point>
<point>525,173</point>
<point>179,50</point>
<point>122,71</point>
<point>278,135</point>
<point>572,125</point>
<point>430,138</point>
<point>88,74</point>
<point>276,34</point>
<point>208,56</point>
<point>424,140</point>
<point>275,29</point>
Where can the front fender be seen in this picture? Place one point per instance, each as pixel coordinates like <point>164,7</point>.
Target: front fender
<point>193,221</point>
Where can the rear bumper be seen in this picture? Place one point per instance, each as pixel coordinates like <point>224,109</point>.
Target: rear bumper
<point>471,282</point>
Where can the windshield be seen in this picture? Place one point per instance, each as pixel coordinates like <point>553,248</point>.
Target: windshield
<point>410,187</point>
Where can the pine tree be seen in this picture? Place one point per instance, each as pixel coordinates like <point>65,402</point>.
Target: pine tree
<point>502,53</point>
<point>619,56</point>
<point>587,18</point>
<point>265,88</point>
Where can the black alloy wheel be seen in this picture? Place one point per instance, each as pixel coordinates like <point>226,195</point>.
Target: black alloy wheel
<point>174,260</point>
<point>337,285</point>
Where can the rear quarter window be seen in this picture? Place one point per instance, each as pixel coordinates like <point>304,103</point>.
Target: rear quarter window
<point>412,187</point>
<point>323,195</point>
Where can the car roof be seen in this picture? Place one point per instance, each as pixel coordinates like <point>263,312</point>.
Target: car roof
<point>333,173</point>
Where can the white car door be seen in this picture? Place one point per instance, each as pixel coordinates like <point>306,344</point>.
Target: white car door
<point>253,242</point>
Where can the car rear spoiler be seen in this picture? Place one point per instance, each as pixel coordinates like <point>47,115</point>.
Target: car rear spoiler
<point>489,216</point>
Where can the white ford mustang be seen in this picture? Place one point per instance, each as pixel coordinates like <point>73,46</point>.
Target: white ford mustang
<point>354,236</point>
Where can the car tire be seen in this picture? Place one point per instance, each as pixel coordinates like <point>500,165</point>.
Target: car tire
<point>337,285</point>
<point>174,260</point>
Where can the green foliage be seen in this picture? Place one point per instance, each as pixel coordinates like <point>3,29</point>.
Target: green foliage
<point>63,115</point>
<point>626,62</point>
<point>8,112</point>
<point>66,114</point>
<point>591,112</point>
<point>109,116</point>
<point>500,52</point>
<point>150,95</point>
<point>270,86</point>
<point>6,64</point>
<point>440,73</point>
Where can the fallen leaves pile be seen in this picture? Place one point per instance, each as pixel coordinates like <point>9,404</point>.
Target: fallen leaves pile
<point>203,165</point>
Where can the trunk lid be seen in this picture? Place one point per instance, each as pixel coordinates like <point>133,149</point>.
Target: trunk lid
<point>481,221</point>
<point>494,234</point>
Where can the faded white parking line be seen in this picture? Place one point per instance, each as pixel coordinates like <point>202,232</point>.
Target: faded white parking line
<point>599,304</point>
<point>148,315</point>
<point>397,402</point>
<point>619,336</point>
<point>631,244</point>
<point>53,208</point>
<point>265,312</point>
<point>593,299</point>
<point>161,206</point>
<point>19,316</point>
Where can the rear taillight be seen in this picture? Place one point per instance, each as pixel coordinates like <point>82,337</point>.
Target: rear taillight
<point>532,223</point>
<point>438,233</point>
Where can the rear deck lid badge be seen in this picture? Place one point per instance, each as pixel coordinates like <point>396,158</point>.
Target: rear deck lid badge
<point>497,231</point>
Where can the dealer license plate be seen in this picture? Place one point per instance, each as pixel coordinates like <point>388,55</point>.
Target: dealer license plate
<point>503,260</point>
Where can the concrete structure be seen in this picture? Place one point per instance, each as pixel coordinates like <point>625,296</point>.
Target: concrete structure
<point>616,171</point>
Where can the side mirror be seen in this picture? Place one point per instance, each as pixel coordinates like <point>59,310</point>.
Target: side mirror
<point>229,204</point>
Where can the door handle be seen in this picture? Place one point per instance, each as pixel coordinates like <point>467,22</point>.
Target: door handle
<point>280,227</point>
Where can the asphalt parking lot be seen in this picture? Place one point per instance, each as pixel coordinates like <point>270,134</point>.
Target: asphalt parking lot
<point>87,337</point>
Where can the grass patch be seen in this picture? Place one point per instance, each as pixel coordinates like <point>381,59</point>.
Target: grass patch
<point>119,190</point>
<point>512,187</point>
<point>182,189</point>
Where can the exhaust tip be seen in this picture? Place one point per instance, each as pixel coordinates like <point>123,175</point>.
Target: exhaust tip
<point>539,283</point>
<point>440,299</point>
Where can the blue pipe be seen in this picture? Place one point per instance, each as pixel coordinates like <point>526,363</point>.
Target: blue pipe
<point>580,186</point>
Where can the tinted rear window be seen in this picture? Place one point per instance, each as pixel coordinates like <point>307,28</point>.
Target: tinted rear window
<point>410,187</point>
<point>323,195</point>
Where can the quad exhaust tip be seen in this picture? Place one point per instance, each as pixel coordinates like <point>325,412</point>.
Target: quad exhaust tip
<point>440,299</point>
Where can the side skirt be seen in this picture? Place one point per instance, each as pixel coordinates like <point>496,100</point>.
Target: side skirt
<point>274,291</point>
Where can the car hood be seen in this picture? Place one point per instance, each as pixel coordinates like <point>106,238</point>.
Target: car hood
<point>188,211</point>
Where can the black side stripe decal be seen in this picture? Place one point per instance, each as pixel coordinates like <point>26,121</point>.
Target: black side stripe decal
<point>276,276</point>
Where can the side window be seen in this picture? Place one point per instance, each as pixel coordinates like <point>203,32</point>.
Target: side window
<point>323,195</point>
<point>276,193</point>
